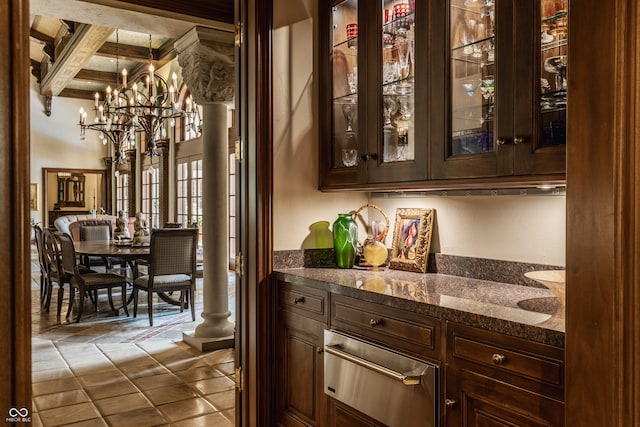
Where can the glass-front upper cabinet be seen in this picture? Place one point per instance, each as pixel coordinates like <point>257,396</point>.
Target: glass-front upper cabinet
<point>472,69</point>
<point>344,59</point>
<point>376,50</point>
<point>398,80</point>
<point>505,90</point>
<point>553,69</point>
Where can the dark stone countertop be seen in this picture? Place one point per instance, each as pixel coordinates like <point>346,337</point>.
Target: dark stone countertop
<point>485,304</point>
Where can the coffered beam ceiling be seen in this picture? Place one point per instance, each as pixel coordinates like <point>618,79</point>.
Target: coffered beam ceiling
<point>87,26</point>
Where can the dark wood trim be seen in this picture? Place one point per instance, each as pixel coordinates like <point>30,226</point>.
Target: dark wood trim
<point>95,76</point>
<point>255,184</point>
<point>603,251</point>
<point>216,10</point>
<point>15,307</point>
<point>127,52</point>
<point>77,93</point>
<point>45,187</point>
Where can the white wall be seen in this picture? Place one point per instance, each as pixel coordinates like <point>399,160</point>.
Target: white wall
<point>297,203</point>
<point>55,140</point>
<point>515,228</point>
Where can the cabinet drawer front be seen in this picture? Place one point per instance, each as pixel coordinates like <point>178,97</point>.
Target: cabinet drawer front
<point>532,366</point>
<point>525,365</point>
<point>308,302</point>
<point>406,331</point>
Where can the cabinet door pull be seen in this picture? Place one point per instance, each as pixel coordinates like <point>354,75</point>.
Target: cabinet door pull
<point>320,350</point>
<point>501,141</point>
<point>518,140</point>
<point>498,359</point>
<point>449,403</point>
<point>366,157</point>
<point>298,300</point>
<point>373,322</point>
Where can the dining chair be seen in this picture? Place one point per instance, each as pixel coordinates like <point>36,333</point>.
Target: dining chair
<point>84,283</point>
<point>44,276</point>
<point>97,229</point>
<point>171,268</point>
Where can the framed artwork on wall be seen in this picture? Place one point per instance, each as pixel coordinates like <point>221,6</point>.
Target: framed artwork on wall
<point>33,196</point>
<point>412,239</point>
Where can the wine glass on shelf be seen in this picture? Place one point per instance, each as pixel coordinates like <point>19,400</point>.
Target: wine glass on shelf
<point>349,150</point>
<point>403,47</point>
<point>487,87</point>
<point>470,86</point>
<point>558,66</point>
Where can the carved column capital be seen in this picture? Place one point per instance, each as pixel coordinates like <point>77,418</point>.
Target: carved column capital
<point>207,60</point>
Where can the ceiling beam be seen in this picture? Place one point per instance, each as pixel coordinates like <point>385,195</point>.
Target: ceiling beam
<point>105,77</point>
<point>215,10</point>
<point>128,52</point>
<point>77,93</point>
<point>84,43</point>
<point>41,36</point>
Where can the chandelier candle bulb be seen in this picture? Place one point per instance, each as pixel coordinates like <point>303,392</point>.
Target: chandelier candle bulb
<point>97,99</point>
<point>124,78</point>
<point>108,94</point>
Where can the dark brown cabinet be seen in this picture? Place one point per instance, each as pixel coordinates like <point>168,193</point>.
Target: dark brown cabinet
<point>300,400</point>
<point>496,380</point>
<point>485,378</point>
<point>454,93</point>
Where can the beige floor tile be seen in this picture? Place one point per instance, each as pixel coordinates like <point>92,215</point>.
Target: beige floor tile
<point>146,369</point>
<point>124,403</point>
<point>102,378</point>
<point>186,409</point>
<point>215,419</point>
<point>213,385</point>
<point>138,418</point>
<point>35,420</point>
<point>96,422</point>
<point>54,386</point>
<point>223,400</point>
<point>63,398</point>
<point>101,357</point>
<point>230,414</point>
<point>227,368</point>
<point>51,374</point>
<point>157,381</point>
<point>68,414</point>
<point>220,356</point>
<point>101,391</point>
<point>160,396</point>
<point>199,373</point>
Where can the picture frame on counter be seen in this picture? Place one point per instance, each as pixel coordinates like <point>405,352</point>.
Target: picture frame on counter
<point>412,239</point>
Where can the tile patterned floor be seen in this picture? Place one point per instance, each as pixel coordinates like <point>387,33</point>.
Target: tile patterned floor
<point>117,371</point>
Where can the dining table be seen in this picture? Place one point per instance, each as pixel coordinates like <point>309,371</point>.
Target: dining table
<point>127,251</point>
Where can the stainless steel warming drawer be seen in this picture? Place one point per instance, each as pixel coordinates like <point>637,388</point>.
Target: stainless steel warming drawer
<point>390,387</point>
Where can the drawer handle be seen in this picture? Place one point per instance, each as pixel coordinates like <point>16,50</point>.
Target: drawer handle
<point>449,403</point>
<point>373,322</point>
<point>498,359</point>
<point>405,379</point>
<point>298,300</point>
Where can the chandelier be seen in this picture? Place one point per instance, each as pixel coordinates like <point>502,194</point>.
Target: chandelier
<point>141,106</point>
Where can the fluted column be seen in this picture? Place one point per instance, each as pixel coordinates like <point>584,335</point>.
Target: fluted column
<point>206,58</point>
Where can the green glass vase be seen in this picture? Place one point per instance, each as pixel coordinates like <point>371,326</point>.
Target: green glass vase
<point>345,239</point>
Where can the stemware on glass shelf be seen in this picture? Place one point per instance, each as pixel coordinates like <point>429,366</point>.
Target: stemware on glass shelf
<point>349,149</point>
